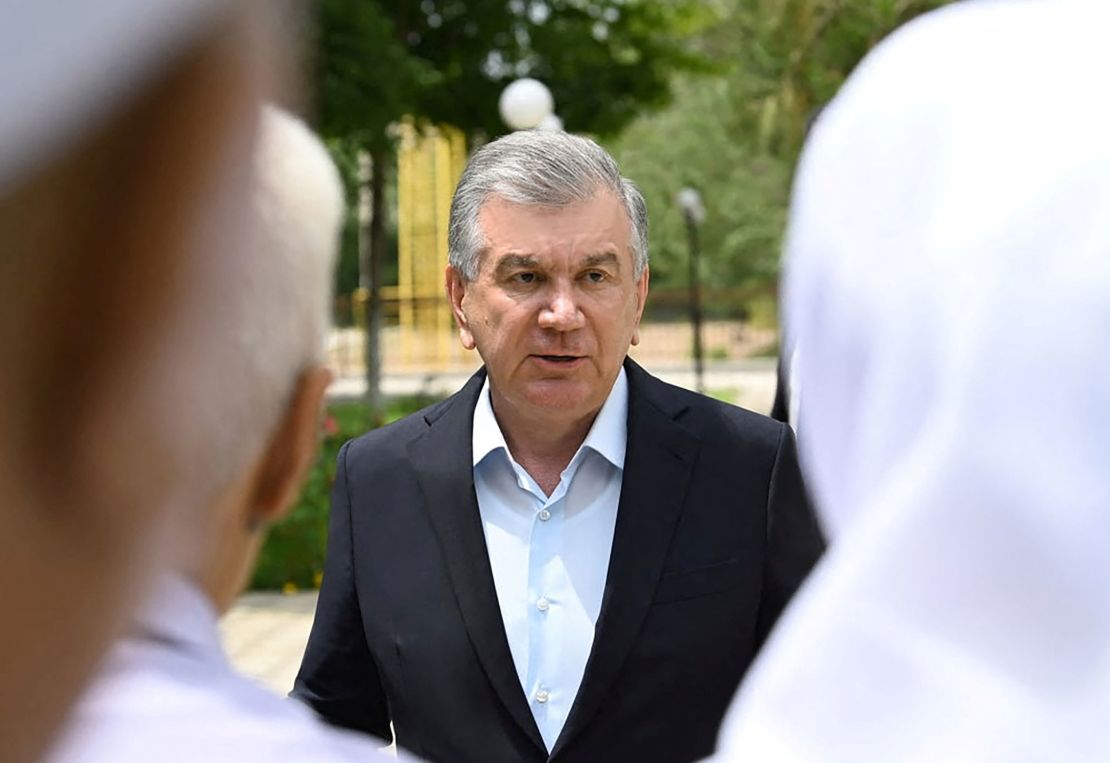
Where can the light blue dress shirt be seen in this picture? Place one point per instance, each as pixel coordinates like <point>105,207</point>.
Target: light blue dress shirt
<point>550,554</point>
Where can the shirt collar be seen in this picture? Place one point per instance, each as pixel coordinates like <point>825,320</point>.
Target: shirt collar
<point>486,436</point>
<point>608,436</point>
<point>176,611</point>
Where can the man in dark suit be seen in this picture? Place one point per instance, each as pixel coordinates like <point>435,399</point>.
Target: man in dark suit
<point>568,559</point>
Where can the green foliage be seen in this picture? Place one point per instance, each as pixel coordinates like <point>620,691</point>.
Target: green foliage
<point>293,556</point>
<point>344,154</point>
<point>344,151</point>
<point>447,61</point>
<point>725,395</point>
<point>736,136</point>
<point>365,75</point>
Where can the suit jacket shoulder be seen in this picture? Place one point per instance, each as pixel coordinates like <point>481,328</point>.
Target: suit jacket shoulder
<point>384,445</point>
<point>712,422</point>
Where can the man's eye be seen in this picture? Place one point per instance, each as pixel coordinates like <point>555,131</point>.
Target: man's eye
<point>525,278</point>
<point>595,276</point>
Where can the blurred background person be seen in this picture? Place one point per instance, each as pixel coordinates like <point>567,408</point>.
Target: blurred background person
<point>168,693</point>
<point>949,278</point>
<point>125,131</point>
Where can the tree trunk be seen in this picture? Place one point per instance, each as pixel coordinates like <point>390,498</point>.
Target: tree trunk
<point>372,243</point>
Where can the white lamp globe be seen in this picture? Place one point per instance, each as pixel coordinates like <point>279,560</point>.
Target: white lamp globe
<point>551,123</point>
<point>525,103</point>
<point>690,201</point>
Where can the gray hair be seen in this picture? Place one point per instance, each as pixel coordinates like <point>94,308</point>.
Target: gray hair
<point>272,303</point>
<point>550,169</point>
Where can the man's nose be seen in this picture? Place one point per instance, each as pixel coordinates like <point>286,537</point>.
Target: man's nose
<point>561,313</point>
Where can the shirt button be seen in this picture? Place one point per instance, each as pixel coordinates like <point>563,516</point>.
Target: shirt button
<point>542,696</point>
<point>544,515</point>
<point>542,604</point>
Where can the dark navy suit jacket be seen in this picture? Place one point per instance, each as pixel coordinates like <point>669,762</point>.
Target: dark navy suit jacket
<point>713,536</point>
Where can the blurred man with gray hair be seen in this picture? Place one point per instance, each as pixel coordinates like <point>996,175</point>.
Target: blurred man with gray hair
<point>568,559</point>
<point>125,133</point>
<point>167,692</point>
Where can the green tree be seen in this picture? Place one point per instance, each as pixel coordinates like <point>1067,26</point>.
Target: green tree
<point>448,60</point>
<point>736,136</point>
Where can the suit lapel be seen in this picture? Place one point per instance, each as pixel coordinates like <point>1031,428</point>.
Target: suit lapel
<point>442,457</point>
<point>658,463</point>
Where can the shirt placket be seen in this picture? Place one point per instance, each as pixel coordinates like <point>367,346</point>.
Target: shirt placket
<point>543,598</point>
<point>546,585</point>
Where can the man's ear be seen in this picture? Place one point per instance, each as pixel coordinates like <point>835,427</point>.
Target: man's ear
<point>292,449</point>
<point>456,291</point>
<point>641,300</point>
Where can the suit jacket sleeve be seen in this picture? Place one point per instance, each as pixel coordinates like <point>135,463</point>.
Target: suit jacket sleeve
<point>338,676</point>
<point>794,539</point>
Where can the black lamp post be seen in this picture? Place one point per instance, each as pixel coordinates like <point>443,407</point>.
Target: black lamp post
<point>690,202</point>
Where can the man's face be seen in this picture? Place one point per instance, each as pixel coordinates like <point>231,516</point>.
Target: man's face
<point>555,304</point>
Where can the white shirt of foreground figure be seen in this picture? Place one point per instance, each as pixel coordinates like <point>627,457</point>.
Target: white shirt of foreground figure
<point>167,693</point>
<point>948,276</point>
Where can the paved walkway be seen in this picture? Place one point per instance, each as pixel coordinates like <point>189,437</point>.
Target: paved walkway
<point>265,635</point>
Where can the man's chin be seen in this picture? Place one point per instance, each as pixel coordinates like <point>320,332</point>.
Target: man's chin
<point>559,396</point>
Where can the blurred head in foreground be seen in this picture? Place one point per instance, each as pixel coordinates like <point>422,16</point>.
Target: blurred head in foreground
<point>125,140</point>
<point>166,691</point>
<point>262,420</point>
<point>949,279</point>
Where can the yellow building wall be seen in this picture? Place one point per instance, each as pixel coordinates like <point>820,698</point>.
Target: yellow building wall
<point>430,160</point>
